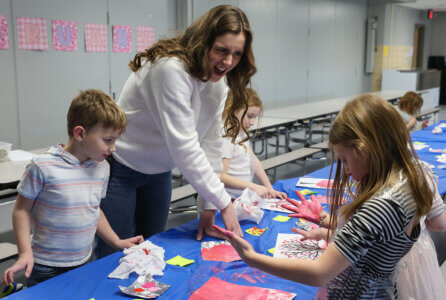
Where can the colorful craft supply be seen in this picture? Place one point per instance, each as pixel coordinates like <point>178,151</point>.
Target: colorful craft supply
<point>215,288</point>
<point>271,250</point>
<point>218,251</point>
<point>180,261</point>
<point>307,192</point>
<point>281,218</point>
<point>145,287</point>
<point>256,231</point>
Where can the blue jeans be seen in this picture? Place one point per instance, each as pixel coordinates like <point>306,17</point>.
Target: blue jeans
<point>40,273</point>
<point>135,204</point>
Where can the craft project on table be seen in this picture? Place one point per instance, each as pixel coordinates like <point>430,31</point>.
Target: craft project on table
<point>276,205</point>
<point>291,246</point>
<point>145,287</point>
<point>219,251</point>
<point>314,183</point>
<point>215,288</point>
<point>256,231</point>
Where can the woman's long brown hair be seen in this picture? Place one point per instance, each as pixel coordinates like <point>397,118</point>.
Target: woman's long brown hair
<point>193,48</point>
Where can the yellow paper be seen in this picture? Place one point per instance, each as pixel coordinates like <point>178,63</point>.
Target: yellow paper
<point>281,218</point>
<point>256,231</point>
<point>271,250</point>
<point>307,192</point>
<point>180,261</point>
<point>419,143</point>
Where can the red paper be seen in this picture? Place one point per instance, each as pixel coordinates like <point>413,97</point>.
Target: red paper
<point>221,252</point>
<point>215,288</point>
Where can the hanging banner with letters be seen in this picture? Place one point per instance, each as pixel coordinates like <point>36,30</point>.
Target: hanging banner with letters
<point>95,37</point>
<point>122,38</point>
<point>4,38</point>
<point>144,38</point>
<point>64,35</point>
<point>32,34</point>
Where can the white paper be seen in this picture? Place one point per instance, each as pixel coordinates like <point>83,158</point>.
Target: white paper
<point>290,246</point>
<point>419,146</point>
<point>275,204</point>
<point>314,183</point>
<point>20,155</point>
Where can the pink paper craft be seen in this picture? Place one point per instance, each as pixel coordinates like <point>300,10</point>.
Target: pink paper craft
<point>95,37</point>
<point>122,38</point>
<point>215,288</point>
<point>324,199</point>
<point>64,35</point>
<point>144,38</point>
<point>4,38</point>
<point>324,184</point>
<point>221,251</point>
<point>32,34</point>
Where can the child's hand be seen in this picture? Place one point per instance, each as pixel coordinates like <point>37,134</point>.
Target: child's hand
<point>425,124</point>
<point>314,234</point>
<point>275,194</point>
<point>243,248</point>
<point>130,242</point>
<point>310,211</point>
<point>262,191</point>
<point>25,262</point>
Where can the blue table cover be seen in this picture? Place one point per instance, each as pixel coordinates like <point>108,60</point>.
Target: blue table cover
<point>91,281</point>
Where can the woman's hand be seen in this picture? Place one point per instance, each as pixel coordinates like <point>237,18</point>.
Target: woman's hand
<point>310,211</point>
<point>207,218</point>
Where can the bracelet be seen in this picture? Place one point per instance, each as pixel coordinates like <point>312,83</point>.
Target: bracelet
<point>321,219</point>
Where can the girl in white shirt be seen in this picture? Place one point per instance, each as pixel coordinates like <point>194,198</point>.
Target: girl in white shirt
<point>173,101</point>
<point>240,164</point>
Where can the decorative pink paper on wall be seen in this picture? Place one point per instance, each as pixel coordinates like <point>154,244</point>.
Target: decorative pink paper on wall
<point>144,38</point>
<point>64,35</point>
<point>215,288</point>
<point>122,38</point>
<point>4,38</point>
<point>95,37</point>
<point>32,34</point>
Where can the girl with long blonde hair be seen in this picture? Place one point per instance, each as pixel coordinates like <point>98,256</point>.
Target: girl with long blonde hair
<point>388,192</point>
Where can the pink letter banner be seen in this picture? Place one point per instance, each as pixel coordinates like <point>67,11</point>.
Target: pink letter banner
<point>64,35</point>
<point>144,38</point>
<point>122,38</point>
<point>4,39</point>
<point>95,37</point>
<point>32,33</point>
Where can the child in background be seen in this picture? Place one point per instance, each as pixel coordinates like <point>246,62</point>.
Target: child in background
<point>391,194</point>
<point>240,164</point>
<point>409,105</point>
<point>419,275</point>
<point>60,193</point>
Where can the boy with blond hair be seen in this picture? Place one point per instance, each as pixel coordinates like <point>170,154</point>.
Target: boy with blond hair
<point>61,190</point>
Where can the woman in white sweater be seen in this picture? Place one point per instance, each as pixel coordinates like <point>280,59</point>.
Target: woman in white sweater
<point>174,101</point>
